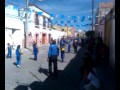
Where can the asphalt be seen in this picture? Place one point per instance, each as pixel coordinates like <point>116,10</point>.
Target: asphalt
<point>33,75</point>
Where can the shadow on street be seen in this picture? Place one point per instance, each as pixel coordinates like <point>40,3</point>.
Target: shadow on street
<point>68,79</point>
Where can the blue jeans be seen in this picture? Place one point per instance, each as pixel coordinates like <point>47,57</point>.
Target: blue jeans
<point>69,48</point>
<point>9,55</point>
<point>18,60</point>
<point>35,56</point>
<point>62,56</point>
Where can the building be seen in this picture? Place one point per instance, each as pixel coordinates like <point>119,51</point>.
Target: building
<point>14,27</point>
<point>39,26</point>
<point>102,11</point>
<point>109,38</point>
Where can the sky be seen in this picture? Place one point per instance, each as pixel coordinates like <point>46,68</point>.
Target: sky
<point>67,8</point>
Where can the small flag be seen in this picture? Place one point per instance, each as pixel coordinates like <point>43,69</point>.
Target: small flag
<point>83,18</point>
<point>61,22</point>
<point>68,21</point>
<point>62,16</point>
<point>73,17</point>
<point>52,15</point>
<point>15,8</point>
<point>40,13</point>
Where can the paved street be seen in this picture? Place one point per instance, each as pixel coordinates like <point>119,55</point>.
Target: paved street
<point>33,75</point>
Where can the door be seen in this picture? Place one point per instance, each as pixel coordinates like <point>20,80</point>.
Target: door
<point>43,38</point>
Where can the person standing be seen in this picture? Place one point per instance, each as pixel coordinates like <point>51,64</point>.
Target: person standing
<point>33,45</point>
<point>18,56</point>
<point>69,46</point>
<point>9,49</point>
<point>13,46</point>
<point>75,44</point>
<point>63,53</point>
<point>35,52</point>
<point>52,55</point>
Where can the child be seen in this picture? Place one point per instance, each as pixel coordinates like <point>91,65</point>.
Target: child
<point>18,56</point>
<point>35,52</point>
<point>69,46</point>
<point>62,53</point>
<point>9,54</point>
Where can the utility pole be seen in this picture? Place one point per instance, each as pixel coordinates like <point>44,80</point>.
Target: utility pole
<point>26,24</point>
<point>92,14</point>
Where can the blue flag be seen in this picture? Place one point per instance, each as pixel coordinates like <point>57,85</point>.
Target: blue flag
<point>75,21</point>
<point>61,22</point>
<point>68,21</point>
<point>83,18</point>
<point>73,17</point>
<point>62,16</point>
<point>15,8</point>
<point>52,15</point>
<point>40,13</point>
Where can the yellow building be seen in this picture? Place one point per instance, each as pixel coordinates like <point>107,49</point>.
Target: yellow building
<point>65,28</point>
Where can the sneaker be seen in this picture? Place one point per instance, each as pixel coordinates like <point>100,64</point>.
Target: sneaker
<point>18,65</point>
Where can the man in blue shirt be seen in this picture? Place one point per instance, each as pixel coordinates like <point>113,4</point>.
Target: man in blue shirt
<point>52,55</point>
<point>35,52</point>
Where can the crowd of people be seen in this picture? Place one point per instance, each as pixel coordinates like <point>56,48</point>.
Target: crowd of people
<point>95,54</point>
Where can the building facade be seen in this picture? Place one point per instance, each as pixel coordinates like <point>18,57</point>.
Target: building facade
<point>102,11</point>
<point>14,27</point>
<point>39,26</point>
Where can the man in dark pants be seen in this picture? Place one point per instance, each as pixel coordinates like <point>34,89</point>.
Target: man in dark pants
<point>52,55</point>
<point>75,44</point>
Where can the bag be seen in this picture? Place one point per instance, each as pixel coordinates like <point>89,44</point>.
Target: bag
<point>63,49</point>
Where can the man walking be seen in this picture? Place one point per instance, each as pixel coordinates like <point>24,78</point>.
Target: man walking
<point>52,55</point>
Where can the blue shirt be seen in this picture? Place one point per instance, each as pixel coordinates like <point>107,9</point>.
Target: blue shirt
<point>18,54</point>
<point>35,50</point>
<point>53,50</point>
<point>9,49</point>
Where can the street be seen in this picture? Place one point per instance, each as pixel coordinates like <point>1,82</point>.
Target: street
<point>33,75</point>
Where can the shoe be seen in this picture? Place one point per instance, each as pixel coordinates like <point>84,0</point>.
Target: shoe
<point>18,65</point>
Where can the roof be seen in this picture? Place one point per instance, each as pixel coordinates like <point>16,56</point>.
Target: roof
<point>38,8</point>
<point>105,5</point>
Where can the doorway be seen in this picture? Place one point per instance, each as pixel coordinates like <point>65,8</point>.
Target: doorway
<point>43,38</point>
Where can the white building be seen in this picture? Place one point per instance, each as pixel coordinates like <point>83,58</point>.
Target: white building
<point>14,27</point>
<point>39,26</point>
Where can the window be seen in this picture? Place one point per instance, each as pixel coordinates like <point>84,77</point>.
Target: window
<point>36,19</point>
<point>48,23</point>
<point>44,22</point>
